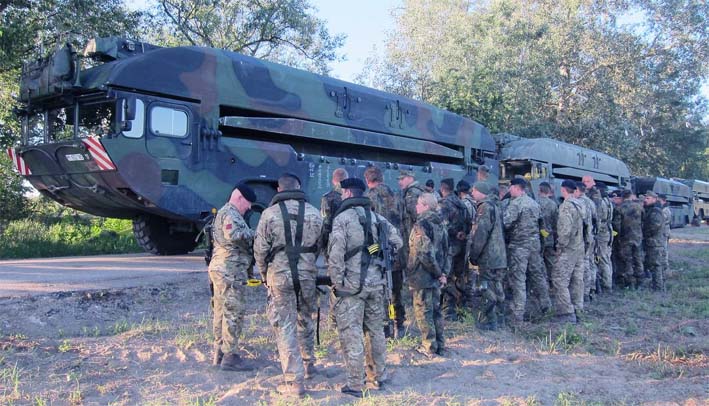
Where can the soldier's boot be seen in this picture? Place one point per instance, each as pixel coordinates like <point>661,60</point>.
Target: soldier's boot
<point>232,362</point>
<point>351,391</point>
<point>291,389</point>
<point>564,318</point>
<point>387,330</point>
<point>489,319</point>
<point>310,370</point>
<point>218,355</point>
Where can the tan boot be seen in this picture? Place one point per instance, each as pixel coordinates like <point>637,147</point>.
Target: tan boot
<point>291,389</point>
<point>232,362</point>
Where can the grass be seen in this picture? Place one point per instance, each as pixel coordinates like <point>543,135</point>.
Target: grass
<point>407,342</point>
<point>10,379</point>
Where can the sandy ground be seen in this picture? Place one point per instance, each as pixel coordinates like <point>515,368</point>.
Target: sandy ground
<point>150,345</point>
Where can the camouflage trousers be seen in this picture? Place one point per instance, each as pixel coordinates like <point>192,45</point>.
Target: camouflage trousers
<point>523,261</point>
<point>457,293</point>
<point>397,292</point>
<point>589,272</point>
<point>293,326</point>
<point>616,263</point>
<point>631,264</point>
<point>427,309</point>
<point>605,270</point>
<point>549,255</point>
<point>667,254</point>
<point>655,264</point>
<point>493,294</point>
<point>360,325</point>
<point>567,280</point>
<point>228,306</point>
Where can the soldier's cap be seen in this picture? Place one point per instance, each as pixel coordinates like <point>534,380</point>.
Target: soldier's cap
<point>484,168</point>
<point>353,183</point>
<point>601,186</point>
<point>662,196</point>
<point>462,187</point>
<point>430,183</point>
<point>626,194</point>
<point>246,191</point>
<point>292,175</point>
<point>569,184</point>
<point>404,173</point>
<point>518,182</point>
<point>449,182</point>
<point>615,193</point>
<point>483,187</point>
<point>650,193</point>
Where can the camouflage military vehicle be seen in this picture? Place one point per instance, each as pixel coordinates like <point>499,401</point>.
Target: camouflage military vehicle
<point>700,200</point>
<point>679,197</point>
<point>548,160</point>
<point>161,135</point>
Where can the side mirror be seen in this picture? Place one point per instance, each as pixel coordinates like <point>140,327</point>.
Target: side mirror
<point>126,110</point>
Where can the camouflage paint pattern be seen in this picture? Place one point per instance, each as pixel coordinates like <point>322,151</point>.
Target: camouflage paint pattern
<point>654,239</point>
<point>567,275</point>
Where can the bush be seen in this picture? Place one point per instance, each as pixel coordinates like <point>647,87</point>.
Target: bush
<point>66,236</point>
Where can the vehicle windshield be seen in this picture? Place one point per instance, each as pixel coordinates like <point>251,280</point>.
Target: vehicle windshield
<point>57,124</point>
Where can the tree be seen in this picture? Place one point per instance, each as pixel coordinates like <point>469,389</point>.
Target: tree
<point>283,31</point>
<point>622,77</point>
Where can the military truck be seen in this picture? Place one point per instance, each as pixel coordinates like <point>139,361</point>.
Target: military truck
<point>549,160</point>
<point>679,196</point>
<point>700,199</point>
<point>127,129</point>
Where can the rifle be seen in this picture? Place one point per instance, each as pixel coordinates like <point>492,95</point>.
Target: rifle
<point>388,265</point>
<point>207,231</point>
<point>320,280</point>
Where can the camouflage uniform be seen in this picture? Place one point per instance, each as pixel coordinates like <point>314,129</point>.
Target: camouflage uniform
<point>521,222</point>
<point>455,219</point>
<point>615,249</point>
<point>589,274</point>
<point>407,204</point>
<point>428,251</point>
<point>228,271</point>
<point>488,252</point>
<point>470,205</point>
<point>654,243</point>
<point>604,241</point>
<point>550,214</point>
<point>668,222</point>
<point>630,248</point>
<point>291,317</point>
<point>359,308</point>
<point>567,276</point>
<point>329,203</point>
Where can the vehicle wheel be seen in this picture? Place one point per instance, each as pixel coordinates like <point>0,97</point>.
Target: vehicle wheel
<point>154,235</point>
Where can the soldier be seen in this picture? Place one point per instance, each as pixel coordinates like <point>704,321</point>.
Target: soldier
<point>567,276</point>
<point>285,249</point>
<point>630,235</point>
<point>616,197</point>
<point>410,192</point>
<point>331,200</point>
<point>654,240</point>
<point>550,214</point>
<point>668,223</point>
<point>354,267</point>
<point>483,173</point>
<point>457,223</point>
<point>488,252</point>
<point>427,271</point>
<point>521,223</point>
<point>228,273</point>
<point>463,190</point>
<point>591,217</point>
<point>430,187</point>
<point>386,203</point>
<point>604,239</point>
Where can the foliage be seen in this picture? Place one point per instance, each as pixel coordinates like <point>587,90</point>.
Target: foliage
<point>54,230</point>
<point>622,77</point>
<point>284,31</point>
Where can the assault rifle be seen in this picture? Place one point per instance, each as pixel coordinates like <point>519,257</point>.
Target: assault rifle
<point>388,267</point>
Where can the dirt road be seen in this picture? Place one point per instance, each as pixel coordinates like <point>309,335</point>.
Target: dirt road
<point>29,277</point>
<point>151,344</point>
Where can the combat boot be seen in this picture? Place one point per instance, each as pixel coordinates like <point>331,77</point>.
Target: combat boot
<point>310,370</point>
<point>232,362</point>
<point>564,318</point>
<point>350,391</point>
<point>489,319</point>
<point>399,330</point>
<point>291,389</point>
<point>218,355</point>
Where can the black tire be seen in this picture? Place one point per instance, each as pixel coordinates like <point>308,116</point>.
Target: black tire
<point>153,234</point>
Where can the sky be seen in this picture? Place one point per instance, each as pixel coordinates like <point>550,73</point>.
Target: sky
<point>365,22</point>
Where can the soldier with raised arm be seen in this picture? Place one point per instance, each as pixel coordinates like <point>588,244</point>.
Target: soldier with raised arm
<point>286,248</point>
<point>232,257</point>
<point>355,268</point>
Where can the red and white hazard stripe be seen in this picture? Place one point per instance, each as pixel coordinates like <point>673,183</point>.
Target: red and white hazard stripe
<point>99,154</point>
<point>19,162</point>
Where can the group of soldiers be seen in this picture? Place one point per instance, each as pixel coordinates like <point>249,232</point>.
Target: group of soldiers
<point>485,249</point>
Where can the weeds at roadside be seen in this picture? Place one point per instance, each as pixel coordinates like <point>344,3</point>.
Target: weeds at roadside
<point>666,362</point>
<point>75,396</point>
<point>563,342</point>
<point>407,342</point>
<point>65,346</point>
<point>10,380</point>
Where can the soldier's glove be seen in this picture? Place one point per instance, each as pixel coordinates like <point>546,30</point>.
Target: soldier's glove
<point>544,233</point>
<point>615,233</point>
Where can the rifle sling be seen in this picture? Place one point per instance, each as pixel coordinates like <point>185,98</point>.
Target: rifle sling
<point>365,259</point>
<point>293,247</point>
